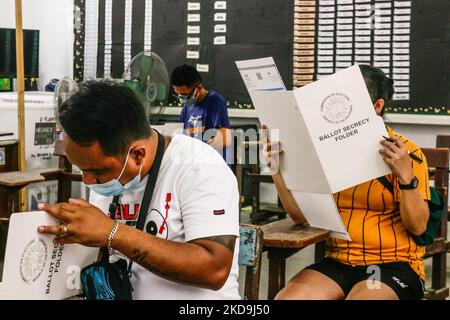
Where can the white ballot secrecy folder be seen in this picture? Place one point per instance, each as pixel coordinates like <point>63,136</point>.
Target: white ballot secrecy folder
<point>35,267</point>
<point>308,119</point>
<point>329,131</point>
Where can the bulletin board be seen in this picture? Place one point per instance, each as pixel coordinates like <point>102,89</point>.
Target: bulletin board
<point>410,40</point>
<point>430,60</point>
<point>251,29</point>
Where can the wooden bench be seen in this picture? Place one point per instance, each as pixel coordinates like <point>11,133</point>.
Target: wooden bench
<point>443,142</point>
<point>438,162</point>
<point>282,239</point>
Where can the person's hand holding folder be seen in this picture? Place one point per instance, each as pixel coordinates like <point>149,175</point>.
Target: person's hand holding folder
<point>271,150</point>
<point>398,158</point>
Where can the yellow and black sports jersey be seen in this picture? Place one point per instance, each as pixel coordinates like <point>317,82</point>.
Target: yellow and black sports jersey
<point>372,217</point>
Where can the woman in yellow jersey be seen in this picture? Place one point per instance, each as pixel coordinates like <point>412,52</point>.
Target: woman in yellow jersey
<point>382,261</point>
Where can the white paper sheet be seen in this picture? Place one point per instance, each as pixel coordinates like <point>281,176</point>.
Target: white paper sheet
<point>220,5</point>
<point>193,17</point>
<point>220,40</point>
<point>36,268</point>
<point>260,74</point>
<point>193,29</point>
<point>193,6</point>
<point>192,54</point>
<point>220,28</point>
<point>202,67</point>
<point>220,16</point>
<point>321,212</point>
<point>193,41</point>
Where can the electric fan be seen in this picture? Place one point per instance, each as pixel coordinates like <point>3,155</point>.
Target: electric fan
<point>64,89</point>
<point>148,77</point>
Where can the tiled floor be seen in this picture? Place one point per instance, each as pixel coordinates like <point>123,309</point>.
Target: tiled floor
<point>299,261</point>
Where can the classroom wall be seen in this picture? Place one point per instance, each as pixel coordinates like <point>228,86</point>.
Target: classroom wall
<point>423,135</point>
<point>54,19</point>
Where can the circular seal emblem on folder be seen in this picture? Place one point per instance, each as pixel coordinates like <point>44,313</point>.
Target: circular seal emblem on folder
<point>336,108</point>
<point>32,261</point>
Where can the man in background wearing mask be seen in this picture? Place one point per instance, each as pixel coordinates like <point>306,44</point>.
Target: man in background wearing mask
<point>204,114</point>
<point>186,249</point>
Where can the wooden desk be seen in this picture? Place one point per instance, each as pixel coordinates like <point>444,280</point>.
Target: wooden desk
<point>10,150</point>
<point>13,181</point>
<point>282,239</point>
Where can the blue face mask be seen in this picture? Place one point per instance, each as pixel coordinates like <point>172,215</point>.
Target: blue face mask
<point>114,187</point>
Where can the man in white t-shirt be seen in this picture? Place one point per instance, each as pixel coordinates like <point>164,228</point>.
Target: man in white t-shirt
<point>188,247</point>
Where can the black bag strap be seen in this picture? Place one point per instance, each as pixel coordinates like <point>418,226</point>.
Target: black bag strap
<point>151,182</point>
<point>385,182</point>
<point>150,187</point>
<point>113,207</point>
<point>148,194</point>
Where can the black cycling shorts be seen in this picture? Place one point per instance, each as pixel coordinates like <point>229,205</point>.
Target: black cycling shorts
<point>399,276</point>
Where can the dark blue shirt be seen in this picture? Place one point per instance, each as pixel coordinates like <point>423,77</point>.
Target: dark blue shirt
<point>201,120</point>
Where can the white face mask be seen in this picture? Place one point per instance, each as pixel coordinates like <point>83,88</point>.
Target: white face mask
<point>189,98</point>
<point>114,187</point>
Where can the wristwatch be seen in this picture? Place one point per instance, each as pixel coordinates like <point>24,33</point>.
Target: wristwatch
<point>412,185</point>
